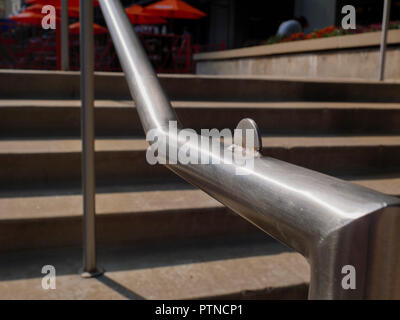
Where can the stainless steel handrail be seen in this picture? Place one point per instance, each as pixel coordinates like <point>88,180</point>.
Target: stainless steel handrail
<point>385,27</point>
<point>331,222</point>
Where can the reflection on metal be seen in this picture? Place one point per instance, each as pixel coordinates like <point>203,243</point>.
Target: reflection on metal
<point>87,118</point>
<point>64,36</point>
<point>385,27</point>
<point>331,222</point>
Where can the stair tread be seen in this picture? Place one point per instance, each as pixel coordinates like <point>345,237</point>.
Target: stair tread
<point>388,185</point>
<point>330,141</point>
<point>181,272</point>
<point>52,103</point>
<point>68,145</point>
<point>11,72</point>
<point>16,206</point>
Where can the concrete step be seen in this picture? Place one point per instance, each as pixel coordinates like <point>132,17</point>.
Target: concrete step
<point>31,163</point>
<point>130,215</point>
<point>15,84</point>
<point>117,118</point>
<point>161,212</point>
<point>212,269</point>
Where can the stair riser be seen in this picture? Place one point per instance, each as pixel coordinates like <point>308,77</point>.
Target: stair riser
<point>121,229</point>
<point>64,121</point>
<point>30,170</point>
<point>127,167</point>
<point>66,85</point>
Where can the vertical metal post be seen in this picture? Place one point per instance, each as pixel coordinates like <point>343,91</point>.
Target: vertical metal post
<point>64,36</point>
<point>385,27</point>
<point>87,118</point>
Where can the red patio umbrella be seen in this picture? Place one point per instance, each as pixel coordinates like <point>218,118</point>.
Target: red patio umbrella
<point>75,28</point>
<point>174,9</point>
<point>57,3</point>
<point>28,18</point>
<point>37,8</point>
<point>137,16</point>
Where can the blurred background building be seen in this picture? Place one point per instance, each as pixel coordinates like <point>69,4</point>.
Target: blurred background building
<point>224,24</point>
<point>240,23</point>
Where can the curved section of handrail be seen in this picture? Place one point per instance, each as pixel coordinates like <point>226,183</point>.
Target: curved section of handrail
<point>331,222</point>
<point>153,106</point>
